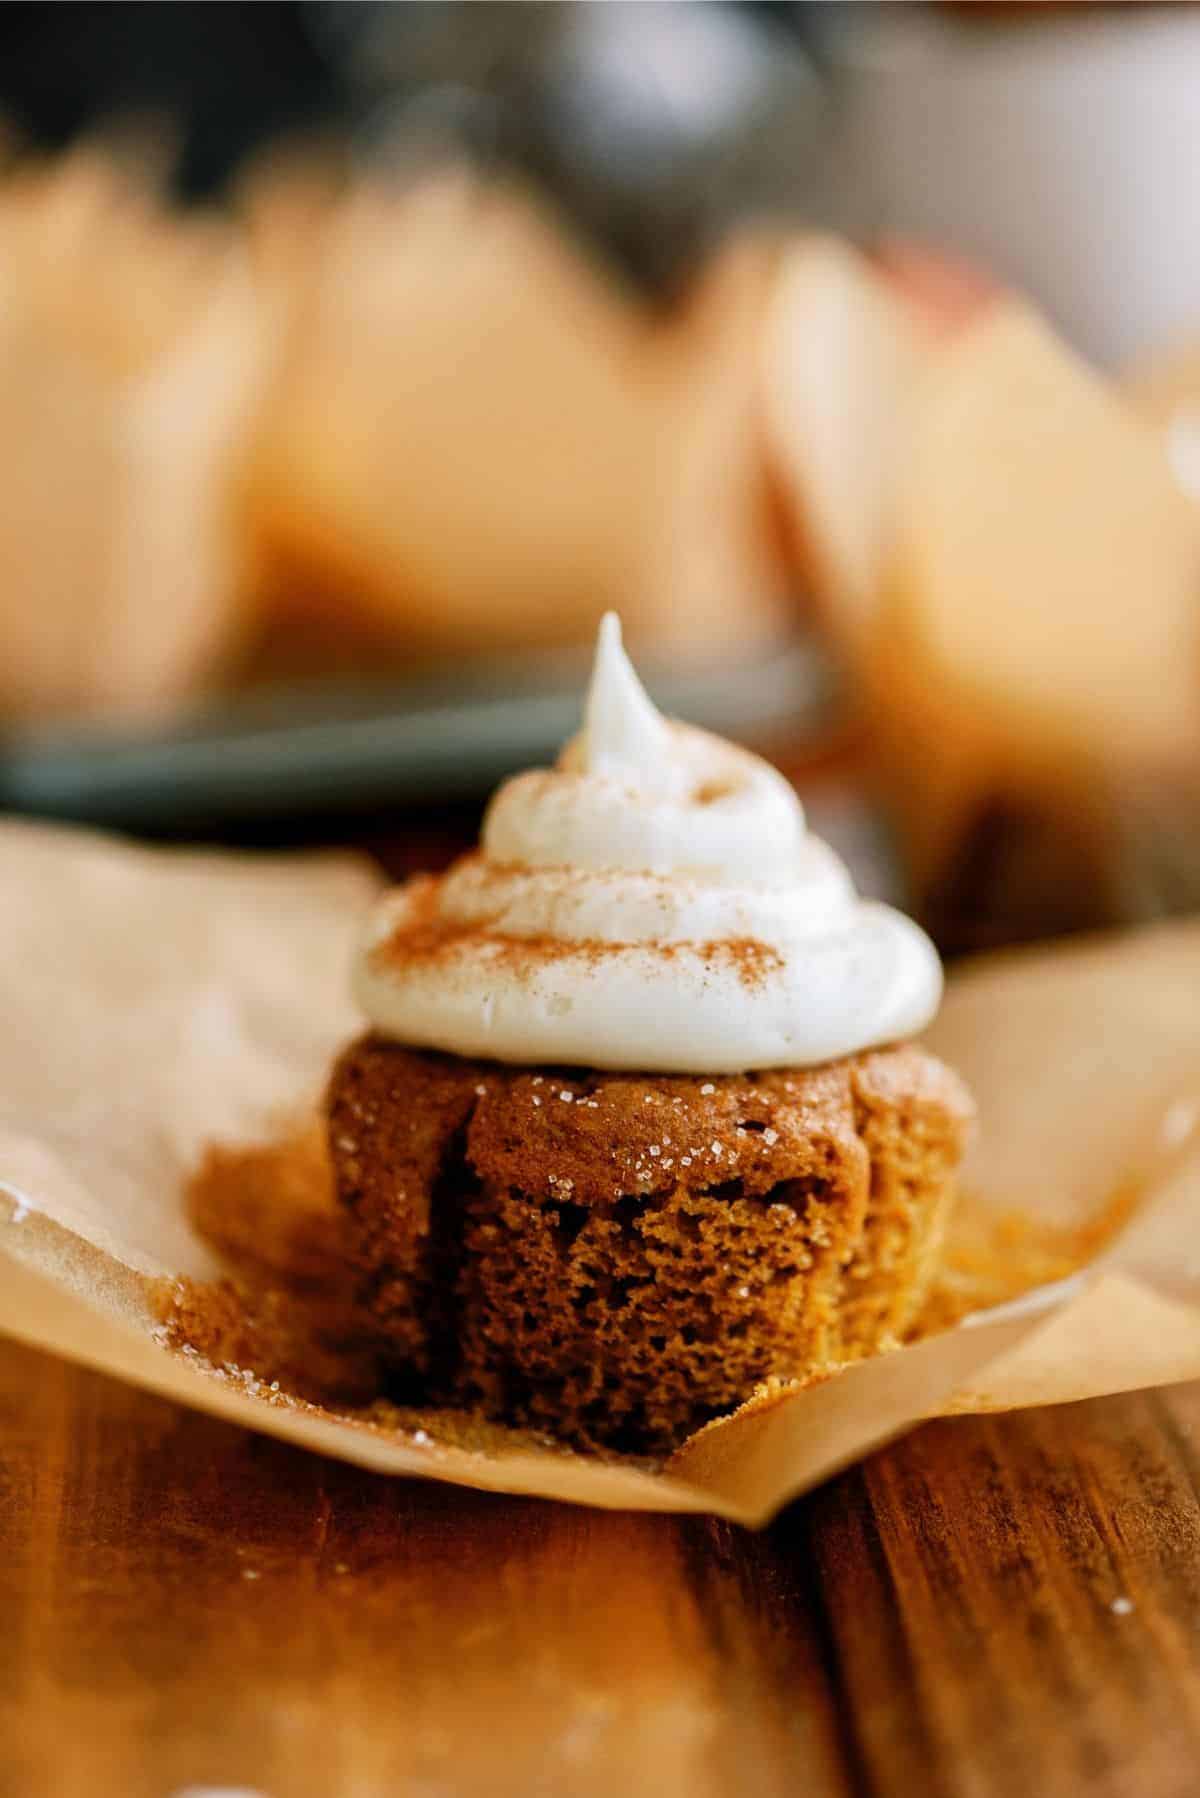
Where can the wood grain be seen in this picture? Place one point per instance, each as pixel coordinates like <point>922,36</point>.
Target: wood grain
<point>185,1604</point>
<point>1014,1604</point>
<point>190,1604</point>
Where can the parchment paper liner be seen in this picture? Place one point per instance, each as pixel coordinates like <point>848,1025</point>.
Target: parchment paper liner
<point>156,1001</point>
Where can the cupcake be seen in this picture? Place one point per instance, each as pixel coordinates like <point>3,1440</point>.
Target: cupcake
<point>637,1126</point>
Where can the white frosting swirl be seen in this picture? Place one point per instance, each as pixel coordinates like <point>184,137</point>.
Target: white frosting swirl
<point>653,903</point>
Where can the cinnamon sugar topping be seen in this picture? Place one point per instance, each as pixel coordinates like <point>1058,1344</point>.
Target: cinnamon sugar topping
<point>654,901</point>
<point>437,943</point>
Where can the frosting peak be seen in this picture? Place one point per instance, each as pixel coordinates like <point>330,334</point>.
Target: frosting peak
<point>624,733</point>
<point>639,794</point>
<point>654,902</point>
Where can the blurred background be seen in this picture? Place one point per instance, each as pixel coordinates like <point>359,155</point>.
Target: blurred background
<point>356,357</point>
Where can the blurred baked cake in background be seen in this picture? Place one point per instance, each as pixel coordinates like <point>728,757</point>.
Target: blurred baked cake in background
<point>842,359</point>
<point>1013,574</point>
<point>478,439</point>
<point>130,361</point>
<point>350,423</point>
<point>1043,619</point>
<point>1164,388</point>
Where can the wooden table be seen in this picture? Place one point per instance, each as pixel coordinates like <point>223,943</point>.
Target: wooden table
<point>995,1606</point>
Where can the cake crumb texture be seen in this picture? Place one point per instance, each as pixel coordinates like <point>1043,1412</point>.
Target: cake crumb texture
<point>619,1258</point>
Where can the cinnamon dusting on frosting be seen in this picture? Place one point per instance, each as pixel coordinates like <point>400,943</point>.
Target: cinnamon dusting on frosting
<point>653,901</point>
<point>437,942</point>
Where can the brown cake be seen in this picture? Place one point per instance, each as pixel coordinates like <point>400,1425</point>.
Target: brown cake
<point>619,1258</point>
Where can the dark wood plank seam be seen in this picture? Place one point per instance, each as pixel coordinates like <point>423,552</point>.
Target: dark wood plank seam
<point>810,1590</point>
<point>853,1489</point>
<point>710,1545</point>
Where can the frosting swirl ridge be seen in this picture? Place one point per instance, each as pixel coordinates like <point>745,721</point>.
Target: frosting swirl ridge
<point>654,902</point>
